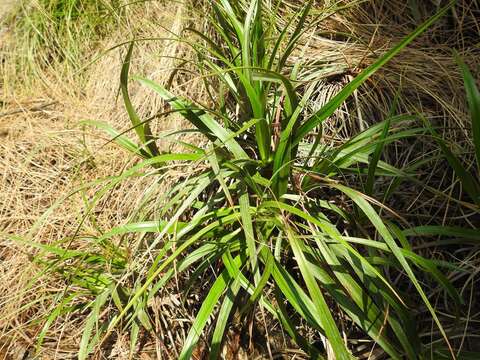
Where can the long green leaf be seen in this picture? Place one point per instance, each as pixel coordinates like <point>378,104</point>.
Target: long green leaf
<point>88,341</point>
<point>328,323</point>
<point>222,318</point>
<point>205,312</point>
<point>142,129</point>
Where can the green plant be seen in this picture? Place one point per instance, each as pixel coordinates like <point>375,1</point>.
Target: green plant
<point>258,201</point>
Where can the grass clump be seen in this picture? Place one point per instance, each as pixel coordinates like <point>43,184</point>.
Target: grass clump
<point>52,32</point>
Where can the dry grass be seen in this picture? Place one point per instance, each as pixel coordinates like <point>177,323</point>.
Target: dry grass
<point>425,71</point>
<point>46,154</point>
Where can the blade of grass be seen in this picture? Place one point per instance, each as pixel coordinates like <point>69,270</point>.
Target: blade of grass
<point>91,326</point>
<point>222,318</point>
<point>205,312</point>
<point>328,324</point>
<point>143,130</point>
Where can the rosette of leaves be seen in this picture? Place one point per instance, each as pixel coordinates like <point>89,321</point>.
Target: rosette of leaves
<point>259,204</point>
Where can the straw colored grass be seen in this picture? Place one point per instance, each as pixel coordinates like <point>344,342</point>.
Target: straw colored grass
<point>46,155</point>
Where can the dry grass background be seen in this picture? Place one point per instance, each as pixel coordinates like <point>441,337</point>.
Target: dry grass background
<point>46,153</point>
